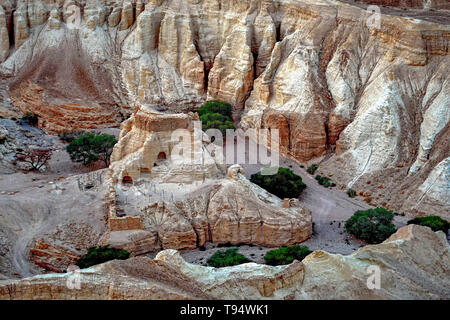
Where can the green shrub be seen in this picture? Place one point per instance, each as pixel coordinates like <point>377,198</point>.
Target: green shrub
<point>91,147</point>
<point>312,169</point>
<point>286,255</point>
<point>434,222</point>
<point>30,118</point>
<point>210,117</point>
<point>216,115</point>
<point>225,258</point>
<point>215,106</point>
<point>372,225</point>
<point>351,193</point>
<point>216,121</point>
<point>96,255</point>
<point>283,184</point>
<point>324,181</point>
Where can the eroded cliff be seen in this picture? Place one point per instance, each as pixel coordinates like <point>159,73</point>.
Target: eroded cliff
<point>413,264</point>
<point>367,100</point>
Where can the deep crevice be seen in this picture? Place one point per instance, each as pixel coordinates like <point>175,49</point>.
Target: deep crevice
<point>11,29</point>
<point>278,31</point>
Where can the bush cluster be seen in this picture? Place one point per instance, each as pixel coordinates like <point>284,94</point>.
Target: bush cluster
<point>283,184</point>
<point>226,258</point>
<point>286,255</point>
<point>324,181</point>
<point>96,255</point>
<point>434,222</point>
<point>91,147</point>
<point>372,225</point>
<point>216,115</point>
<point>312,169</point>
<point>351,193</point>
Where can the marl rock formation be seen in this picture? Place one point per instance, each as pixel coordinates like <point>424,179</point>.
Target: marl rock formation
<point>414,264</point>
<point>195,203</point>
<point>368,98</point>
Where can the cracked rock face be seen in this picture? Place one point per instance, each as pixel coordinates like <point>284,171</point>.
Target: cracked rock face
<point>227,211</point>
<point>207,207</point>
<point>15,138</point>
<point>370,102</point>
<point>413,264</point>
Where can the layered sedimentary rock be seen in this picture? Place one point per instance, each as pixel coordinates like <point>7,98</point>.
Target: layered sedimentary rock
<point>150,145</point>
<point>414,264</point>
<point>47,225</point>
<point>370,95</point>
<point>4,36</point>
<point>352,92</point>
<point>422,4</point>
<point>51,257</point>
<point>231,210</point>
<point>205,206</point>
<point>14,139</point>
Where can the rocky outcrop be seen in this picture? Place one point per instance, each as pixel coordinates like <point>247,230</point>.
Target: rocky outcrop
<point>194,204</point>
<point>230,79</point>
<point>330,92</point>
<point>369,100</point>
<point>4,36</point>
<point>46,224</point>
<point>150,144</point>
<point>51,257</point>
<point>16,138</point>
<point>414,263</point>
<point>404,262</point>
<point>233,210</point>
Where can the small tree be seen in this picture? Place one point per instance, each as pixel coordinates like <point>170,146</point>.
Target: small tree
<point>324,181</point>
<point>216,121</point>
<point>216,115</point>
<point>283,184</point>
<point>37,158</point>
<point>215,106</point>
<point>351,193</point>
<point>91,147</point>
<point>372,225</point>
<point>69,136</point>
<point>434,222</point>
<point>97,255</point>
<point>312,169</point>
<point>103,146</point>
<point>286,255</point>
<point>227,258</point>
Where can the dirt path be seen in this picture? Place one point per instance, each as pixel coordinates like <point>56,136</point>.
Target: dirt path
<point>35,204</point>
<point>330,209</point>
<point>43,210</point>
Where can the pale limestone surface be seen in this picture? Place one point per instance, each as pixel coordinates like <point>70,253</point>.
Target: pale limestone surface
<point>414,264</point>
<point>205,207</point>
<point>371,103</point>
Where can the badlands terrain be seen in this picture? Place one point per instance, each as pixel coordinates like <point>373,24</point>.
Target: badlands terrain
<point>365,97</point>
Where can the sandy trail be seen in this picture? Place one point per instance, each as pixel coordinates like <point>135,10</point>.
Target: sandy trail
<point>41,211</point>
<point>34,204</point>
<point>330,209</point>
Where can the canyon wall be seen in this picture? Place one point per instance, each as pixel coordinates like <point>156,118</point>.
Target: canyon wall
<point>413,263</point>
<point>205,205</point>
<point>369,101</point>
